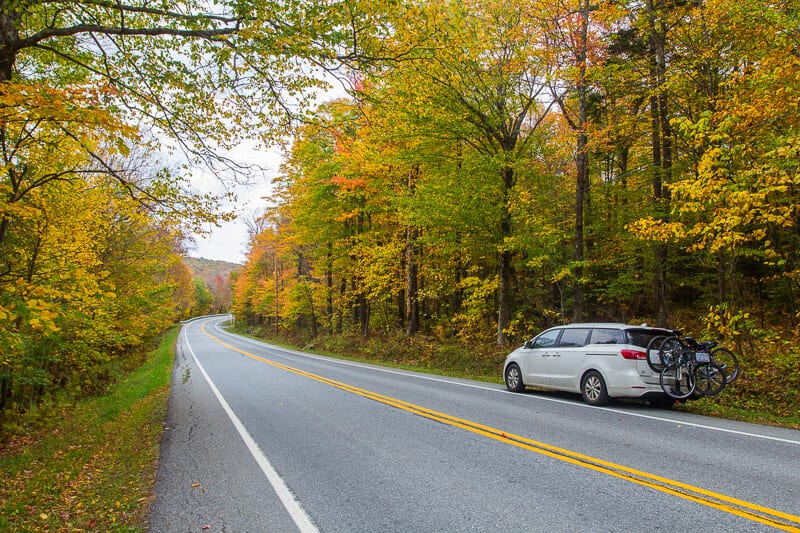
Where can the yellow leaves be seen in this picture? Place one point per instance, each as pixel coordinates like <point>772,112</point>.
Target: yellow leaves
<point>6,314</point>
<point>722,321</point>
<point>53,130</point>
<point>564,273</point>
<point>651,229</point>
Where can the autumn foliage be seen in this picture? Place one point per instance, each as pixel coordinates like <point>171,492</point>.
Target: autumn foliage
<point>514,165</point>
<point>106,111</point>
<point>499,166</point>
<point>86,274</point>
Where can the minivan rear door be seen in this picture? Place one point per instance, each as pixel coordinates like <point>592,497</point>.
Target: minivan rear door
<point>641,338</point>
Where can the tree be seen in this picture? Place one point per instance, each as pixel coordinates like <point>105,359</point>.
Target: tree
<point>476,87</point>
<point>202,298</point>
<point>732,197</point>
<point>205,79</point>
<point>576,36</point>
<point>89,91</point>
<point>94,278</point>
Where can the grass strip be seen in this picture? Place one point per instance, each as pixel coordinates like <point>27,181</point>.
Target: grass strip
<point>94,468</point>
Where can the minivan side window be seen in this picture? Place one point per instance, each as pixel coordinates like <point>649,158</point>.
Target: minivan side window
<point>607,336</point>
<point>574,338</point>
<point>546,339</point>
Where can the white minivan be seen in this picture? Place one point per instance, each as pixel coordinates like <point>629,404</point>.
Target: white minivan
<point>599,361</point>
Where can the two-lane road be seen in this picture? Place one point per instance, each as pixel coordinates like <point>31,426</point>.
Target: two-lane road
<point>262,438</point>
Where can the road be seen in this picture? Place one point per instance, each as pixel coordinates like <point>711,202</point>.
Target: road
<point>267,439</point>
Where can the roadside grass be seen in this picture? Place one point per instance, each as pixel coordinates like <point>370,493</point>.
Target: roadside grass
<point>93,466</point>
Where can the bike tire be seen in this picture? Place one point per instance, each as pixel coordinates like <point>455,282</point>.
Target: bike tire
<point>681,388</point>
<point>653,359</point>
<point>710,379</point>
<point>728,361</point>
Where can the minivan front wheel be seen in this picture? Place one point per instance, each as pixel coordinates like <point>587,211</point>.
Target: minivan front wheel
<point>593,389</point>
<point>514,378</point>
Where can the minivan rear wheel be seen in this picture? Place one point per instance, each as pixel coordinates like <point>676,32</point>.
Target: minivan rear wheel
<point>514,378</point>
<point>593,389</point>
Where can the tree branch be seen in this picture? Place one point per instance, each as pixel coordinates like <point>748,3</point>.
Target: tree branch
<point>48,33</point>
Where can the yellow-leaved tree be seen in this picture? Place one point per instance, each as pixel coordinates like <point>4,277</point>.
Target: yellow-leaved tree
<point>738,203</point>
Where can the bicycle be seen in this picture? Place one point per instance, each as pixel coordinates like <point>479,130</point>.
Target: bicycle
<point>687,368</point>
<point>722,357</point>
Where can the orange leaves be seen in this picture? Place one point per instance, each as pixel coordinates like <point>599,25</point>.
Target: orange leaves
<point>24,104</point>
<point>349,184</point>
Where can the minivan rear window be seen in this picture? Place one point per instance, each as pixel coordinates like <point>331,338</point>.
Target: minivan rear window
<point>642,337</point>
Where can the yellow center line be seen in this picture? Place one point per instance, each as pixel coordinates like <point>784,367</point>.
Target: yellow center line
<point>748,510</point>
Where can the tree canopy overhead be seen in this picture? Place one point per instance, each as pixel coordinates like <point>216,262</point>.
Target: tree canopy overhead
<point>207,74</point>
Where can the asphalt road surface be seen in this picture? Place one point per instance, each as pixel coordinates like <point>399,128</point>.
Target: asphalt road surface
<point>266,439</point>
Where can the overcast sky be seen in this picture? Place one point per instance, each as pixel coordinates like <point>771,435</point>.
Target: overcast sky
<point>229,242</point>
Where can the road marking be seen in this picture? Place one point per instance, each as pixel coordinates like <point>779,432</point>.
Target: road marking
<point>741,508</point>
<point>503,391</point>
<point>290,503</point>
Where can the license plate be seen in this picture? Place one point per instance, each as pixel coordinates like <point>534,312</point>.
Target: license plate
<point>703,357</point>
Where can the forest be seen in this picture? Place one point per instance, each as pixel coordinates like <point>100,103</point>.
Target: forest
<point>520,164</point>
<point>108,111</point>
<point>498,166</point>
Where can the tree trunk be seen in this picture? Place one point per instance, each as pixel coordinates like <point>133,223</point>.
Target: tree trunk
<point>412,267</point>
<point>661,138</point>
<point>412,287</point>
<point>364,315</point>
<point>504,294</point>
<point>329,286</point>
<point>504,285</point>
<point>8,36</point>
<point>582,163</point>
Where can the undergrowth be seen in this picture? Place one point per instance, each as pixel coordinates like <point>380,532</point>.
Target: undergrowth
<point>90,467</point>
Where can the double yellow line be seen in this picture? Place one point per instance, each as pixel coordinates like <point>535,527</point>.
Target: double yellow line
<point>744,509</point>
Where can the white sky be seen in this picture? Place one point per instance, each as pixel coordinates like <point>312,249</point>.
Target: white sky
<point>229,241</point>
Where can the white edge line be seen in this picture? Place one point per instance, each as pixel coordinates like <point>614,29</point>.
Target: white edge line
<point>290,503</point>
<point>501,391</point>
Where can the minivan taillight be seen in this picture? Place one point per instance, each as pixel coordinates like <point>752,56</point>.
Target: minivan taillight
<point>634,354</point>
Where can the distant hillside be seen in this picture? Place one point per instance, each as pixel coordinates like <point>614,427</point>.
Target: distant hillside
<point>210,268</point>
<point>216,274</point>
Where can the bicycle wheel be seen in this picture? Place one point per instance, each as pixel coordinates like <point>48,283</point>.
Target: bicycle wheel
<point>727,360</point>
<point>709,379</point>
<point>653,361</point>
<point>677,381</point>
<point>670,350</point>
